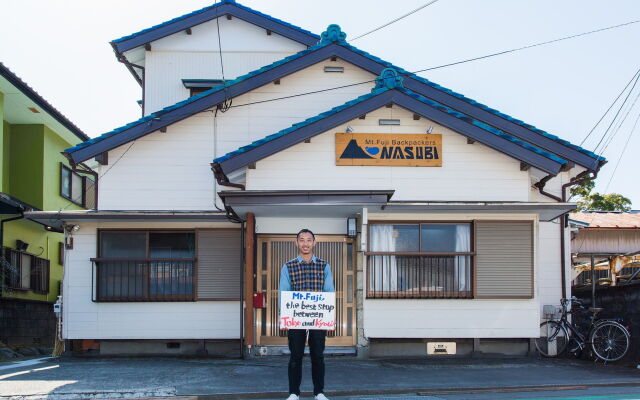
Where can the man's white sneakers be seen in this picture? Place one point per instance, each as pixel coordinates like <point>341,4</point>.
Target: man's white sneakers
<point>293,397</point>
<point>321,396</point>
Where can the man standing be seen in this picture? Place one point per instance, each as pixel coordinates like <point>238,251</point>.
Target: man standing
<point>306,273</point>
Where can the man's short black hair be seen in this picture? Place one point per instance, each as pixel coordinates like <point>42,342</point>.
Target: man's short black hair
<point>305,231</point>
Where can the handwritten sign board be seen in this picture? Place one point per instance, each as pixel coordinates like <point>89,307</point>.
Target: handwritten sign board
<point>308,310</point>
<point>389,149</point>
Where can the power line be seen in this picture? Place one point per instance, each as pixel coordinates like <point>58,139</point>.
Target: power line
<point>617,113</point>
<point>626,145</point>
<point>622,121</point>
<point>449,64</point>
<point>393,21</point>
<point>528,47</point>
<point>610,107</point>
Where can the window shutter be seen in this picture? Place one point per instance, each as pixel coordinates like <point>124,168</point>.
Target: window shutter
<point>219,264</point>
<point>504,259</point>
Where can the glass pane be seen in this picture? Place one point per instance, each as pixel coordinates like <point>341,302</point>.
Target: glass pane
<point>123,244</point>
<point>394,238</point>
<point>349,257</point>
<point>172,245</point>
<point>76,188</point>
<point>446,237</point>
<point>66,182</point>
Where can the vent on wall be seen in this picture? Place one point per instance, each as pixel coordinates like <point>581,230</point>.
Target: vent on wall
<point>333,69</point>
<point>388,122</point>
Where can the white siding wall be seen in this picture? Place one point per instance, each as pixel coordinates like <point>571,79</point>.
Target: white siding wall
<point>171,170</point>
<point>440,318</point>
<point>245,47</point>
<point>319,226</point>
<point>469,172</point>
<point>84,319</point>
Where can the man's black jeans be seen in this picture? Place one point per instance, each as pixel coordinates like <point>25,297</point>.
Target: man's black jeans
<point>297,338</point>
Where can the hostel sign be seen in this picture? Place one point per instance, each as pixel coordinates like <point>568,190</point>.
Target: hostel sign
<point>389,149</point>
<point>308,310</point>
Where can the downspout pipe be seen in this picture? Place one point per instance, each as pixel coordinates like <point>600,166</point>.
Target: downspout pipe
<point>222,178</point>
<point>581,177</point>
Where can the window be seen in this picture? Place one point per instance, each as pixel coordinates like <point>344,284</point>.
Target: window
<point>24,271</point>
<point>145,266</point>
<point>420,260</point>
<point>76,188</point>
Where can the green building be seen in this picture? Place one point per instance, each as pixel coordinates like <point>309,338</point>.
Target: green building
<point>34,176</point>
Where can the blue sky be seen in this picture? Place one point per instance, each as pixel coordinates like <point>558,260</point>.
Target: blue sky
<point>61,49</point>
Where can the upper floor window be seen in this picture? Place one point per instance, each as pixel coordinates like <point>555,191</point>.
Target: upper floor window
<point>76,188</point>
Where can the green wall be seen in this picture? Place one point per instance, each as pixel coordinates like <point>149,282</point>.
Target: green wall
<point>42,244</point>
<point>2,149</point>
<point>26,164</point>
<point>6,151</point>
<point>53,145</point>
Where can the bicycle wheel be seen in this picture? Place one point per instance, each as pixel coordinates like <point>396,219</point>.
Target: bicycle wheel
<point>553,339</point>
<point>610,341</point>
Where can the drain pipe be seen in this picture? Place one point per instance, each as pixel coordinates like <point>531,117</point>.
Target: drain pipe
<point>581,177</point>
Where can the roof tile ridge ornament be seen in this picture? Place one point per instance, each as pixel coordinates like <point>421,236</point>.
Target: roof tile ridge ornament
<point>333,34</point>
<point>388,79</point>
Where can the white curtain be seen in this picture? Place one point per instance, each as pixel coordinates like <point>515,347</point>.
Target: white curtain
<point>461,263</point>
<point>384,271</point>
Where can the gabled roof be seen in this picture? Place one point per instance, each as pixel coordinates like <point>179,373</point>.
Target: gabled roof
<point>389,89</point>
<point>22,86</point>
<point>225,7</point>
<point>333,43</point>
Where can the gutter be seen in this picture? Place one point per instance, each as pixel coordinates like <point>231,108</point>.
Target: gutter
<point>128,64</point>
<point>222,178</point>
<point>581,177</point>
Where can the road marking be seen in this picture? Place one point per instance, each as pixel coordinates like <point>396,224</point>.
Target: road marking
<point>26,363</point>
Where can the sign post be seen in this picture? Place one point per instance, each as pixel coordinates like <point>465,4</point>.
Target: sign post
<point>308,310</point>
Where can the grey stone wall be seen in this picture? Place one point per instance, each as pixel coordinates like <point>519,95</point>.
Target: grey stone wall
<point>26,323</point>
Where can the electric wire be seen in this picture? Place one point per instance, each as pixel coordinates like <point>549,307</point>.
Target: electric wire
<point>610,107</point>
<point>393,21</point>
<point>595,150</point>
<point>226,104</point>
<point>626,145</point>
<point>451,64</point>
<point>619,126</point>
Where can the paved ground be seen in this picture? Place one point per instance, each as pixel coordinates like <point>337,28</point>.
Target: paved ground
<point>347,378</point>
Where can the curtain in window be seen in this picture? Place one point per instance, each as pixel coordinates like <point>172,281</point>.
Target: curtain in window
<point>461,264</point>
<point>384,271</point>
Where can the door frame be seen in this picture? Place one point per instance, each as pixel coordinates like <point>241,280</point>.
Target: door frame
<point>263,276</point>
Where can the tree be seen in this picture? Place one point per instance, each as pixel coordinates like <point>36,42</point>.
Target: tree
<point>604,202</point>
<point>596,201</point>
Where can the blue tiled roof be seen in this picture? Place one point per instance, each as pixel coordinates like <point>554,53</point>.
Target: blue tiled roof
<point>475,103</point>
<point>205,9</point>
<point>343,43</point>
<point>194,98</point>
<point>376,91</point>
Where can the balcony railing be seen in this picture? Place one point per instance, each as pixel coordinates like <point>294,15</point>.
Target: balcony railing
<point>144,279</point>
<point>419,277</point>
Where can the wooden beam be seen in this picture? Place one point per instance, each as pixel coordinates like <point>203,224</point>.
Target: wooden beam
<point>102,158</point>
<point>470,141</point>
<point>524,166</point>
<point>249,260</point>
<point>362,116</point>
<point>416,117</point>
<point>188,31</point>
<point>163,129</point>
<point>229,17</point>
<point>147,46</point>
<point>268,32</point>
<point>307,140</point>
<point>252,166</point>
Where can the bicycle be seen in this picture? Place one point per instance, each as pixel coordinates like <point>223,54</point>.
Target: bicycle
<point>608,338</point>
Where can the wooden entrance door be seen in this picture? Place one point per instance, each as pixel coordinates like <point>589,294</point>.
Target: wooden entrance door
<point>275,250</point>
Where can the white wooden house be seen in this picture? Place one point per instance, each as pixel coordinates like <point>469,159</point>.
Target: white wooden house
<point>459,209</point>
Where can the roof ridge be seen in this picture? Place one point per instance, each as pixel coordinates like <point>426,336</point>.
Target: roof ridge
<point>207,8</point>
<point>387,75</point>
<point>31,93</point>
<point>478,104</point>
